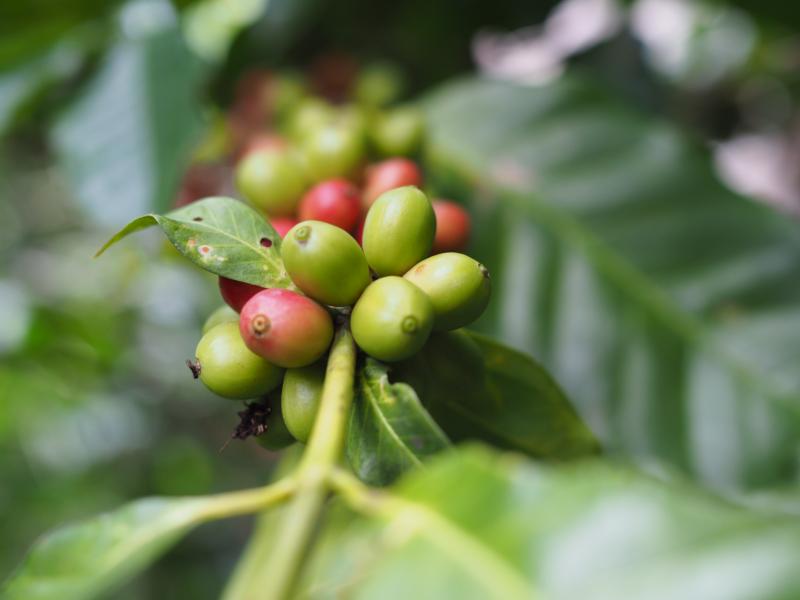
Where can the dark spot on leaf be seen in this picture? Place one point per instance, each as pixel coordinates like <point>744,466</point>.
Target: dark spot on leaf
<point>198,219</point>
<point>266,242</point>
<point>204,249</point>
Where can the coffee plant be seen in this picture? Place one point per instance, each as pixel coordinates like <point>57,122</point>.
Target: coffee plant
<point>370,255</point>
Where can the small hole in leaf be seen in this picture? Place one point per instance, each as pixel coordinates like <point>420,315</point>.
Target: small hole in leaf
<point>266,242</point>
<point>197,219</point>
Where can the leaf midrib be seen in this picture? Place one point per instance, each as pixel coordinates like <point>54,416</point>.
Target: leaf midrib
<point>571,232</point>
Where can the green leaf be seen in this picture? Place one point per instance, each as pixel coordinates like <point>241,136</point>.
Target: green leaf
<point>86,559</point>
<point>390,432</point>
<point>478,525</point>
<point>666,305</point>
<point>221,235</point>
<point>124,143</point>
<point>476,388</point>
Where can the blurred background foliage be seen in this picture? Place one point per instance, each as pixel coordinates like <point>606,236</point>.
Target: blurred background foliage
<point>101,104</point>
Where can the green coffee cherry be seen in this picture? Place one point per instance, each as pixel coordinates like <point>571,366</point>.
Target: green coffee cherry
<point>224,314</point>
<point>300,397</point>
<point>392,320</point>
<point>398,132</point>
<point>273,180</point>
<point>457,285</point>
<point>229,369</point>
<point>309,116</point>
<point>277,436</point>
<point>333,151</point>
<point>378,85</point>
<point>398,231</point>
<point>325,262</point>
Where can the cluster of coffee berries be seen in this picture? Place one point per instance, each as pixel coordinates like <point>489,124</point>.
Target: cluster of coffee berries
<point>394,293</point>
<point>340,186</point>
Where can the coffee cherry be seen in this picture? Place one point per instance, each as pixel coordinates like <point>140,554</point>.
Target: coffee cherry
<point>224,314</point>
<point>333,151</point>
<point>282,225</point>
<point>309,116</point>
<point>277,435</point>
<point>452,227</point>
<point>392,319</point>
<point>229,369</point>
<point>335,201</point>
<point>398,132</point>
<point>398,231</point>
<point>262,141</point>
<point>325,262</point>
<point>457,285</point>
<point>387,175</point>
<point>378,85</point>
<point>236,293</point>
<point>285,328</point>
<point>300,397</point>
<point>273,180</point>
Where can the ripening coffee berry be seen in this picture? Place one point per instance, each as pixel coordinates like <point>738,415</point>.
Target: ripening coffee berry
<point>273,180</point>
<point>392,319</point>
<point>398,231</point>
<point>335,201</point>
<point>325,262</point>
<point>387,175</point>
<point>398,132</point>
<point>237,293</point>
<point>452,227</point>
<point>224,314</point>
<point>457,285</point>
<point>300,397</point>
<point>333,151</point>
<point>277,435</point>
<point>229,369</point>
<point>285,328</point>
<point>282,225</point>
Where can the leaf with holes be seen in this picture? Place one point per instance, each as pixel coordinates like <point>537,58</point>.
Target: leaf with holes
<point>221,235</point>
<point>390,431</point>
<point>476,388</point>
<point>667,306</point>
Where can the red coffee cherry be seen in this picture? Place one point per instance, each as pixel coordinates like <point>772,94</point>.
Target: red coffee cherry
<point>335,201</point>
<point>452,227</point>
<point>283,224</point>
<point>237,293</point>
<point>387,175</point>
<point>285,328</point>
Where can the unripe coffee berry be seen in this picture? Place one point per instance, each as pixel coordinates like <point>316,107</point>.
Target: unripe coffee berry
<point>311,115</point>
<point>398,132</point>
<point>333,151</point>
<point>237,293</point>
<point>325,262</point>
<point>229,369</point>
<point>452,227</point>
<point>282,225</point>
<point>392,319</point>
<point>285,328</point>
<point>387,175</point>
<point>335,201</point>
<point>398,231</point>
<point>224,314</point>
<point>273,180</point>
<point>300,397</point>
<point>457,285</point>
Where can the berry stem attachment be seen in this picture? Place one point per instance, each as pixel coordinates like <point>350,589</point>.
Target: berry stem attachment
<point>323,453</point>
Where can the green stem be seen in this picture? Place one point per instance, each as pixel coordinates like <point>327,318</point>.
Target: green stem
<point>324,451</point>
<point>247,501</point>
